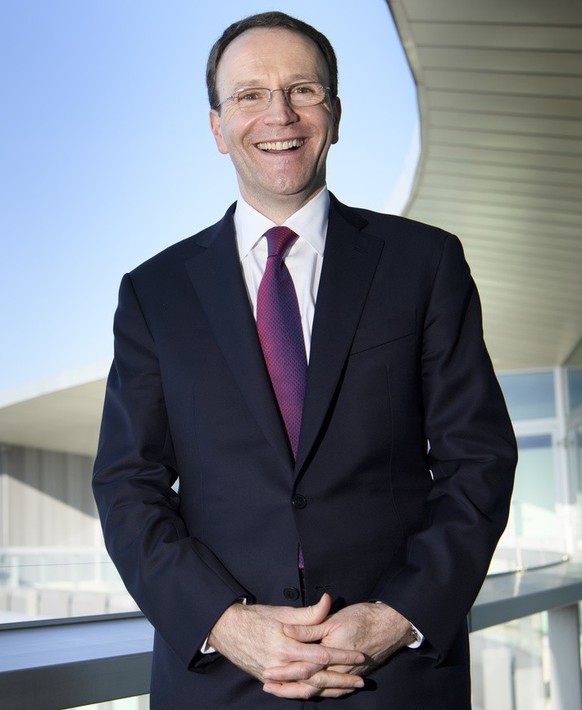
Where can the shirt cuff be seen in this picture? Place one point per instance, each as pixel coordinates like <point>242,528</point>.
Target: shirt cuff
<point>418,638</point>
<point>206,648</point>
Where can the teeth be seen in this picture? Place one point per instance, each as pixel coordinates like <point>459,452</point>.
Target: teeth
<point>281,145</point>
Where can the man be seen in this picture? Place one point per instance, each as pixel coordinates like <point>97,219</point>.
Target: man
<point>333,523</point>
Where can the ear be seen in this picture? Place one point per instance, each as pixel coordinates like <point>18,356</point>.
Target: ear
<point>337,114</point>
<point>216,128</point>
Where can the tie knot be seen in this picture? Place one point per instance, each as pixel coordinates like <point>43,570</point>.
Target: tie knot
<point>279,239</point>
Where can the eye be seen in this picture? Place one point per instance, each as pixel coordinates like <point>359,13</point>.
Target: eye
<point>250,95</point>
<point>303,89</point>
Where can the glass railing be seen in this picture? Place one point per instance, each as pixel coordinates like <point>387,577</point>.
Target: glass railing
<point>43,583</point>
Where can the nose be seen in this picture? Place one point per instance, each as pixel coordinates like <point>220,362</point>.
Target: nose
<point>279,110</point>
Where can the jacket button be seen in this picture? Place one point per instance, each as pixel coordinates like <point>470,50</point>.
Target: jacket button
<point>299,501</point>
<point>291,593</point>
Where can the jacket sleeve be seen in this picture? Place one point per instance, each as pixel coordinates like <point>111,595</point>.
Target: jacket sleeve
<point>179,584</point>
<point>472,457</point>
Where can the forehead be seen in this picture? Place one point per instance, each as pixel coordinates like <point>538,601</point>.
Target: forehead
<point>260,54</point>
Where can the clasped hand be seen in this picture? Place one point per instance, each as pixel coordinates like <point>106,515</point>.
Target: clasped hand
<point>305,652</point>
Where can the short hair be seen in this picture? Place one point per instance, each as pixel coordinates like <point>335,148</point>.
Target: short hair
<point>268,20</point>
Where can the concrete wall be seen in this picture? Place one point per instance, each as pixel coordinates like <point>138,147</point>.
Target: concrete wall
<point>46,499</point>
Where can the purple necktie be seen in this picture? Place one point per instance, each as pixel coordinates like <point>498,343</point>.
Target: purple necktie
<point>280,333</point>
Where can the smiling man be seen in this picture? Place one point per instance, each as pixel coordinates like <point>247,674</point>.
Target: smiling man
<point>278,152</point>
<point>314,377</point>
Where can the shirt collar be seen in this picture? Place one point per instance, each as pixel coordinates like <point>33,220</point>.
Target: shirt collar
<point>310,223</point>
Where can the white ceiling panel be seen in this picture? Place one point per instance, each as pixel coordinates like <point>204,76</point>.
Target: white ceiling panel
<point>500,99</point>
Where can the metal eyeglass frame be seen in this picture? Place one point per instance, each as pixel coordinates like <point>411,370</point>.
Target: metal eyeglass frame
<point>235,97</point>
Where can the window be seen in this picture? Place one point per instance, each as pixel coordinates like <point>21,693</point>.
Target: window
<point>529,395</point>
<point>574,388</point>
<point>534,496</point>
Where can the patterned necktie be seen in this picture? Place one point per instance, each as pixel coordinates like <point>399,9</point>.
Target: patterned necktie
<point>280,333</point>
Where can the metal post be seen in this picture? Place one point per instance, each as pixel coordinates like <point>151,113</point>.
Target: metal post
<point>564,646</point>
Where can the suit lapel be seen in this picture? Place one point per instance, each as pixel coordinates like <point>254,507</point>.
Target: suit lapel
<point>217,278</point>
<point>349,264</point>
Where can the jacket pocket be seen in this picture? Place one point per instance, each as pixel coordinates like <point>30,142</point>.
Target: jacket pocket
<point>381,331</point>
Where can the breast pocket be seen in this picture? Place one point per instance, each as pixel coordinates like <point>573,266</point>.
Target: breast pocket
<point>376,331</point>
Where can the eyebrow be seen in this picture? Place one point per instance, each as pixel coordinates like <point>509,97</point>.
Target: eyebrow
<point>260,82</point>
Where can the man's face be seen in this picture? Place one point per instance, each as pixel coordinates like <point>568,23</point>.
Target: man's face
<point>279,154</point>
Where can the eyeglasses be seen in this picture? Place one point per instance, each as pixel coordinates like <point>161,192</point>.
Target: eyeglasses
<point>299,95</point>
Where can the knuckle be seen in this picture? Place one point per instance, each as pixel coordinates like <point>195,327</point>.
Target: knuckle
<point>306,692</point>
<point>284,655</point>
<point>304,672</point>
<point>318,681</point>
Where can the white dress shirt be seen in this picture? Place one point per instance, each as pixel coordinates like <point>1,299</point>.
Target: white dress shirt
<point>304,260</point>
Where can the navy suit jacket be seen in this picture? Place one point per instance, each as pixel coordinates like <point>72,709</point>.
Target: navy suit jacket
<point>403,475</point>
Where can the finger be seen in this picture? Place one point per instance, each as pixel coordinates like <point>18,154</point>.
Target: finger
<point>346,669</point>
<point>300,670</point>
<point>298,691</point>
<point>310,615</point>
<point>304,691</point>
<point>312,653</point>
<point>331,680</point>
<point>318,612</point>
<point>339,677</point>
<point>291,671</point>
<point>322,656</point>
<point>305,634</point>
<point>344,657</point>
<point>335,692</point>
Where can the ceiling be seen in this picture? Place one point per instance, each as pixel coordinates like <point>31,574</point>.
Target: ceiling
<point>62,414</point>
<point>500,98</point>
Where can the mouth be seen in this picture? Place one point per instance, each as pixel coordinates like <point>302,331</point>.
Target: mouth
<point>281,146</point>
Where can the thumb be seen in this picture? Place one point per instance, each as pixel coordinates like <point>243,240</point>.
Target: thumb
<point>308,615</point>
<point>318,612</point>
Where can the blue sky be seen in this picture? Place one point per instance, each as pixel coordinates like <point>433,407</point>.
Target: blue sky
<point>106,156</point>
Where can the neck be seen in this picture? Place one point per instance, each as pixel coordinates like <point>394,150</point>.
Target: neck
<point>279,210</point>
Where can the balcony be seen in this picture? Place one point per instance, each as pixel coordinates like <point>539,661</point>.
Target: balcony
<point>70,663</point>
